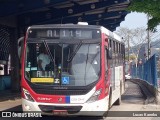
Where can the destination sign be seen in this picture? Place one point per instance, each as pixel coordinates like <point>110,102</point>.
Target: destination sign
<point>64,33</point>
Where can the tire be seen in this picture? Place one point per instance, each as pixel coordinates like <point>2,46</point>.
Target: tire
<point>109,104</point>
<point>118,101</point>
<point>110,98</point>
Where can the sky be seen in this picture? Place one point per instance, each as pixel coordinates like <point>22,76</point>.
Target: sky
<point>134,20</point>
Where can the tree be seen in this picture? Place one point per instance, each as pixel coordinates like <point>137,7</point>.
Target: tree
<point>126,35</point>
<point>132,57</point>
<point>140,37</point>
<point>151,8</point>
<point>134,37</point>
<point>137,37</point>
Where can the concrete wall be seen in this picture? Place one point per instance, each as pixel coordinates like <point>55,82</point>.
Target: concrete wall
<point>9,21</point>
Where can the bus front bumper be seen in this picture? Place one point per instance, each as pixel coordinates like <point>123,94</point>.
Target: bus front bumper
<point>97,108</point>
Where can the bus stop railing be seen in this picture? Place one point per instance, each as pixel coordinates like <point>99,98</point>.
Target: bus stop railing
<point>148,71</point>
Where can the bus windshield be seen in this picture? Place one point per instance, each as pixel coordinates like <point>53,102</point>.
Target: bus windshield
<point>55,64</point>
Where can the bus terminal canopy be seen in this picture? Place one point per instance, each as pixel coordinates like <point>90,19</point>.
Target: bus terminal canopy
<point>17,15</point>
<point>108,13</point>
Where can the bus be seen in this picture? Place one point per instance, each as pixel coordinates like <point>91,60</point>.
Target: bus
<point>85,73</point>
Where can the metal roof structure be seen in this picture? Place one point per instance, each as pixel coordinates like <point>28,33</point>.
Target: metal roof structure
<point>17,15</point>
<point>108,13</point>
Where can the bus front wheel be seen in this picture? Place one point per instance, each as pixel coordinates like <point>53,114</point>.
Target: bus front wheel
<point>118,101</point>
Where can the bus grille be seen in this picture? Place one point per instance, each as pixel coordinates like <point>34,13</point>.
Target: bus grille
<point>50,90</point>
<point>69,109</point>
<point>60,92</point>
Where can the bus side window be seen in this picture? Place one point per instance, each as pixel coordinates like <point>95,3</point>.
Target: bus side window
<point>113,53</point>
<point>116,53</point>
<point>111,47</point>
<point>106,59</point>
<point>120,53</point>
<point>123,52</point>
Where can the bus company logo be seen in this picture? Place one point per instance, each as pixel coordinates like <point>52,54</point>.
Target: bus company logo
<point>60,99</point>
<point>6,114</point>
<point>43,98</point>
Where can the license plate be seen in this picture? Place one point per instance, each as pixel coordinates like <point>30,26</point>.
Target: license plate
<point>60,112</point>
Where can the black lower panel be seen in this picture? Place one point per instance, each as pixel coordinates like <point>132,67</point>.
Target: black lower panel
<point>69,109</point>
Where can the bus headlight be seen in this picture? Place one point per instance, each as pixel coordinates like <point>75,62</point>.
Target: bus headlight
<point>95,96</point>
<point>27,95</point>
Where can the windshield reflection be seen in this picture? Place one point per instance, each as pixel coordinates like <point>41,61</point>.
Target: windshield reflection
<point>62,64</point>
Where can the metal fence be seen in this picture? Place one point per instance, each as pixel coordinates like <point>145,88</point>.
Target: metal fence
<point>149,71</point>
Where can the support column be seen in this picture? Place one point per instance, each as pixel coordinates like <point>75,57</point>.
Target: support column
<point>6,69</point>
<point>15,79</point>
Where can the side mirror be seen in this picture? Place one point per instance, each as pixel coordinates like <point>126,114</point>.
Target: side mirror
<point>109,53</point>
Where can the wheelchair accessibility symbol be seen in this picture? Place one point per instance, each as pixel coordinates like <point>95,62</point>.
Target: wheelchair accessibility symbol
<point>65,80</point>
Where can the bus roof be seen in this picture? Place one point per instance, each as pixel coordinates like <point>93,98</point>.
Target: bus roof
<point>65,25</point>
<point>103,29</point>
<point>111,34</point>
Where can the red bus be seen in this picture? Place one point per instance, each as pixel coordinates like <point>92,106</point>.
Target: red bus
<point>81,71</point>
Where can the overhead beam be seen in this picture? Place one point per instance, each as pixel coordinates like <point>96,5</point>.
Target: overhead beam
<point>86,18</point>
<point>40,17</point>
<point>112,27</point>
<point>74,2</point>
<point>107,22</point>
<point>17,7</point>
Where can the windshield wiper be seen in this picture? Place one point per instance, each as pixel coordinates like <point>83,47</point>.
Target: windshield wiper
<point>74,52</point>
<point>48,50</point>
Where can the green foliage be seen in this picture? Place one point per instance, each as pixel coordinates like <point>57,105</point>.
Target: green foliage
<point>150,7</point>
<point>126,57</point>
<point>131,57</point>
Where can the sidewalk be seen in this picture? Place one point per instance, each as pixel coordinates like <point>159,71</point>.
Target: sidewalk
<point>9,95</point>
<point>158,96</point>
<point>11,105</point>
<point>146,91</point>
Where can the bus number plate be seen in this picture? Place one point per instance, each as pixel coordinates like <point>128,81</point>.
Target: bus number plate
<point>60,112</point>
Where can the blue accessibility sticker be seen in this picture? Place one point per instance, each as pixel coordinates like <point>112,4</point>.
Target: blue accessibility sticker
<point>65,80</point>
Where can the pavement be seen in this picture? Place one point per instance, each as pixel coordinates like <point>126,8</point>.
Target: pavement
<point>11,105</point>
<point>6,95</point>
<point>133,100</point>
<point>149,97</point>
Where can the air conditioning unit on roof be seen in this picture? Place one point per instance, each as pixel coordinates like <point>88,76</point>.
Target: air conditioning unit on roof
<point>82,23</point>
